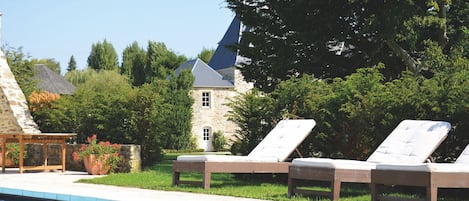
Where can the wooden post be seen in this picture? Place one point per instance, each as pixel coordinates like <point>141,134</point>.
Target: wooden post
<point>21,141</point>
<point>4,154</point>
<point>44,153</point>
<point>64,150</point>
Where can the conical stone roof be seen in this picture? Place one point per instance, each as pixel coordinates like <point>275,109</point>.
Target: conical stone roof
<point>15,117</point>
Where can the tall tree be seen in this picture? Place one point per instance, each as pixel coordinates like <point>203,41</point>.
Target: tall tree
<point>103,56</point>
<point>72,64</point>
<point>176,112</point>
<point>103,106</point>
<point>78,77</point>
<point>133,64</point>
<point>333,38</point>
<point>160,60</point>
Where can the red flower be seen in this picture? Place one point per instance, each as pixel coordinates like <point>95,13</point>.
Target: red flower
<point>99,149</point>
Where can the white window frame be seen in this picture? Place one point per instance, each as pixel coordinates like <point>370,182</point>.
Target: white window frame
<point>206,99</point>
<point>207,132</point>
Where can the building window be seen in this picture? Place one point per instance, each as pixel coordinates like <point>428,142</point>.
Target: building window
<point>205,99</point>
<point>206,134</point>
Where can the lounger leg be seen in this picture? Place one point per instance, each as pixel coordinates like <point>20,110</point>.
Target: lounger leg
<point>291,186</point>
<point>206,179</point>
<point>335,190</point>
<point>374,192</point>
<point>176,176</point>
<point>432,193</point>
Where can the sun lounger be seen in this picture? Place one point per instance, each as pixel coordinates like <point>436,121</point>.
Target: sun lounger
<point>268,156</point>
<point>411,142</point>
<point>431,176</point>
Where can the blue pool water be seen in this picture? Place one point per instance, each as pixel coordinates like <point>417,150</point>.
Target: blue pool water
<point>6,197</point>
<point>11,194</point>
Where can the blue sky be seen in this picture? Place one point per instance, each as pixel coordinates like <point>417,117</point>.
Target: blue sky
<point>61,28</point>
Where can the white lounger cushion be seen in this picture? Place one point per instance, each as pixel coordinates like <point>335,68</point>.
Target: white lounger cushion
<point>412,141</point>
<point>427,167</point>
<point>283,139</point>
<point>463,158</point>
<point>460,165</point>
<point>224,158</point>
<point>275,147</point>
<point>334,163</point>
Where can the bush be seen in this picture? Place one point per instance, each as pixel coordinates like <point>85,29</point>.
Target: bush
<point>219,141</point>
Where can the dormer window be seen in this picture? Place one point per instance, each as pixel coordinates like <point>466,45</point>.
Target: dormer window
<point>205,99</point>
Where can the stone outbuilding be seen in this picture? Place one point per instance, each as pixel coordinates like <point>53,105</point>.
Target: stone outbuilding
<point>215,84</point>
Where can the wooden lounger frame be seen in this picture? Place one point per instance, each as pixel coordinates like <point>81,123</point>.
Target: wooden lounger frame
<point>333,175</point>
<point>431,181</point>
<point>42,138</point>
<point>207,168</point>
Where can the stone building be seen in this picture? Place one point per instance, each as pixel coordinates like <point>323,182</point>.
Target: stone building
<point>15,117</point>
<point>215,84</point>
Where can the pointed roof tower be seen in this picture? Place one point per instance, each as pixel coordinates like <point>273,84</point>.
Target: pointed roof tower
<point>225,56</point>
<point>15,117</point>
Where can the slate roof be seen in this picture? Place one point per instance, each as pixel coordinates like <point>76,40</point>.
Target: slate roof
<point>205,76</point>
<point>52,82</point>
<point>224,56</point>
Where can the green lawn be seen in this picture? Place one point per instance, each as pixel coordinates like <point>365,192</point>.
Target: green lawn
<point>159,178</point>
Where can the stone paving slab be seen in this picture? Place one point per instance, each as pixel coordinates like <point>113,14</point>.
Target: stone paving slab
<point>62,186</point>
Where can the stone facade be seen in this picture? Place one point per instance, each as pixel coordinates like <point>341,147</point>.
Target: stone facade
<point>212,117</point>
<point>15,117</point>
<point>215,117</point>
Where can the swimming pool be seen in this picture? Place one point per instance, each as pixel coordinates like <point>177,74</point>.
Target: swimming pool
<point>12,194</point>
<point>6,197</point>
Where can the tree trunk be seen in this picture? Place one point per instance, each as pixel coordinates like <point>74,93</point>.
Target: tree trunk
<point>411,64</point>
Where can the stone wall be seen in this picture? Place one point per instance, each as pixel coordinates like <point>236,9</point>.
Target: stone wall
<point>15,117</point>
<point>131,157</point>
<point>214,116</point>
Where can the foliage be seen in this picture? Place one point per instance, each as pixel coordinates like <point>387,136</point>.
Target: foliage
<point>334,38</point>
<point>218,141</point>
<point>154,115</point>
<point>78,77</point>
<point>160,61</point>
<point>57,115</point>
<point>176,112</point>
<point>355,114</point>
<point>206,54</point>
<point>143,123</point>
<point>72,64</point>
<point>52,64</point>
<point>39,100</point>
<point>22,68</point>
<point>102,150</point>
<point>254,116</point>
<point>103,56</point>
<point>133,64</point>
<point>102,104</point>
<point>13,152</point>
